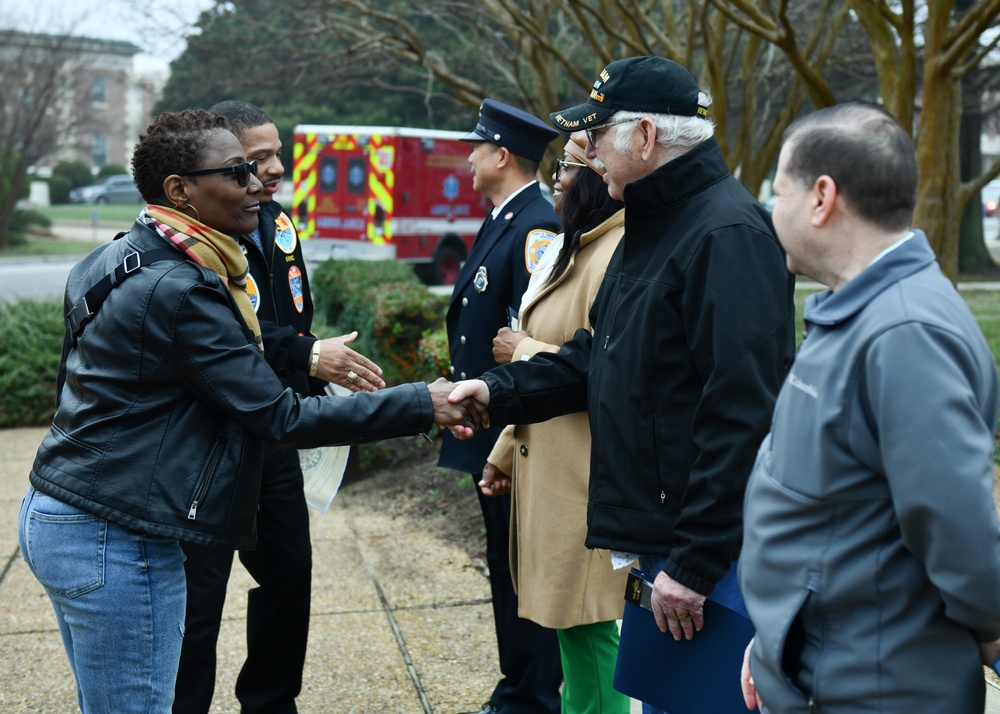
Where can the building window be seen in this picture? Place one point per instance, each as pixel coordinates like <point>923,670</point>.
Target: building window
<point>99,89</point>
<point>100,151</point>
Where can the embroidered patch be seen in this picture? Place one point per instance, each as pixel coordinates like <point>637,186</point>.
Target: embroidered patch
<point>295,286</point>
<point>284,234</point>
<point>535,246</point>
<point>252,292</point>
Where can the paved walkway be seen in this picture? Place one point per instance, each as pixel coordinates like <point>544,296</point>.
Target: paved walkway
<point>401,621</point>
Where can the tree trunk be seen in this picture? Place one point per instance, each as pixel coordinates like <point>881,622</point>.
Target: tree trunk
<point>973,255</point>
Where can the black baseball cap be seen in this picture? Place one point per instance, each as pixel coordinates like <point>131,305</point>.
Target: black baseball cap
<point>637,84</point>
<point>512,128</point>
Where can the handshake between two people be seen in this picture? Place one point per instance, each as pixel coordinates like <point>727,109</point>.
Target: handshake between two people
<point>461,406</point>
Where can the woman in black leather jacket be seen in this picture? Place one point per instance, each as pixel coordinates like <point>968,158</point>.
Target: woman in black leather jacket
<point>164,399</point>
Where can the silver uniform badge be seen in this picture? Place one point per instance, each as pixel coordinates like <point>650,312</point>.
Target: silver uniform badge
<point>481,281</point>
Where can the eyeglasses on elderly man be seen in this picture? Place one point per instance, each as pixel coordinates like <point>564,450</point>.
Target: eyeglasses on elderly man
<point>594,132</point>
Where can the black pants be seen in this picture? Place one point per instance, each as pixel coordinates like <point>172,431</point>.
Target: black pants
<point>529,653</point>
<point>277,610</point>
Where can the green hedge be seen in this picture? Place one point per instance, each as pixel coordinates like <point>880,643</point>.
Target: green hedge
<point>31,335</point>
<point>335,283</point>
<point>401,326</point>
<point>392,312</point>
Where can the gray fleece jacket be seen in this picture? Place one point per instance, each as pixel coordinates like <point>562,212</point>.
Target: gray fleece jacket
<point>871,557</point>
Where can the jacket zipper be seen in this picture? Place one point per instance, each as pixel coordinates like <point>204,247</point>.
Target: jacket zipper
<point>813,706</point>
<point>614,311</point>
<point>199,495</point>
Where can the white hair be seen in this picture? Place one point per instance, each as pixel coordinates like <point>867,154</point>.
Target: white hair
<point>676,134</point>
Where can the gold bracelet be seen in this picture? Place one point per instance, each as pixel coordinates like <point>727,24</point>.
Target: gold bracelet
<point>314,359</point>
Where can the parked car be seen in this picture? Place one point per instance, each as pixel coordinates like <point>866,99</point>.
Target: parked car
<point>114,189</point>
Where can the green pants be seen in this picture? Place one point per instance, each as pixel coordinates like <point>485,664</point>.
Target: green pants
<point>588,654</point>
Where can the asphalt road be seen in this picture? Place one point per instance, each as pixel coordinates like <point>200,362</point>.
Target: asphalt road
<point>33,278</point>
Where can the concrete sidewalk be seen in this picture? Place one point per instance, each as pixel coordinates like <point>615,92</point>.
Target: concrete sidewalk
<point>401,621</point>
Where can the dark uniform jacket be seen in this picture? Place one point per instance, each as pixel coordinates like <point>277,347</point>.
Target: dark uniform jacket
<point>492,280</point>
<point>693,334</point>
<point>166,401</point>
<point>283,304</point>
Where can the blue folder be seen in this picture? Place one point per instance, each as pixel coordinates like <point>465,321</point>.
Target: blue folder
<point>698,676</point>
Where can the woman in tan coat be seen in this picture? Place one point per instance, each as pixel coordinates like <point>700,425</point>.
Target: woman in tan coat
<point>560,583</point>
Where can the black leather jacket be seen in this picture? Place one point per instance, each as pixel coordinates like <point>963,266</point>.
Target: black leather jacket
<point>165,404</point>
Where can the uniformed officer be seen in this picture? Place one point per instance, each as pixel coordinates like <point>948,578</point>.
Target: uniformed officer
<point>507,146</point>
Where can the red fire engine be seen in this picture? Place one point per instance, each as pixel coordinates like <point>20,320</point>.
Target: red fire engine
<point>386,193</point>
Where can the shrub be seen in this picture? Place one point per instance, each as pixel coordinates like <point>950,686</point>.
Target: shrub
<point>388,306</point>
<point>31,335</point>
<point>76,172</point>
<point>336,282</point>
<point>112,170</point>
<point>434,355</point>
<point>23,221</point>
<point>59,188</point>
<point>396,316</point>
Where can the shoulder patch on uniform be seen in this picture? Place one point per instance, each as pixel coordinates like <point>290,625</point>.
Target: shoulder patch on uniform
<point>252,292</point>
<point>295,287</point>
<point>535,245</point>
<point>284,233</point>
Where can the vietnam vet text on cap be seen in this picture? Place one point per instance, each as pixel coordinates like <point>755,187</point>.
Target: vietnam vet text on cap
<point>514,129</point>
<point>637,84</point>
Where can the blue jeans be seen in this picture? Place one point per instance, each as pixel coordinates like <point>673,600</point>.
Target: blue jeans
<point>119,600</point>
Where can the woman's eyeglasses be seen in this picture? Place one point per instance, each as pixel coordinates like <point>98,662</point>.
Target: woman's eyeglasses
<point>242,171</point>
<point>563,165</point>
<point>593,133</point>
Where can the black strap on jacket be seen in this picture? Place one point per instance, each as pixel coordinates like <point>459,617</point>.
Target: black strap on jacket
<point>84,310</point>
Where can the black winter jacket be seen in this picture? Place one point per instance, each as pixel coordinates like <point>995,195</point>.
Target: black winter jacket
<point>279,288</point>
<point>693,335</point>
<point>166,401</point>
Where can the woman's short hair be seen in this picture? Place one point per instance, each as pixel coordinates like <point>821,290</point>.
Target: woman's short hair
<point>173,144</point>
<point>868,154</point>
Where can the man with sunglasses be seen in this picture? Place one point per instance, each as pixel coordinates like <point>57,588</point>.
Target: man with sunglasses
<point>507,146</point>
<point>693,334</point>
<point>281,564</point>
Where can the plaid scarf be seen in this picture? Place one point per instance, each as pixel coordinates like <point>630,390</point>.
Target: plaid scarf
<point>211,249</point>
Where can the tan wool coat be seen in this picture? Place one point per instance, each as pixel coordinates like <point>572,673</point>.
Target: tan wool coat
<point>559,582</point>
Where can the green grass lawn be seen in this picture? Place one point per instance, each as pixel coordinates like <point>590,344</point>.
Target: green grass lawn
<point>116,213</point>
<point>39,246</point>
<point>985,305</point>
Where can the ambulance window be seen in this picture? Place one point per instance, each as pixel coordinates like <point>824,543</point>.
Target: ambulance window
<point>356,175</point>
<point>328,174</point>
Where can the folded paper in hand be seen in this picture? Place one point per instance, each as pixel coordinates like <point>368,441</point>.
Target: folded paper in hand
<point>323,468</point>
<point>697,676</point>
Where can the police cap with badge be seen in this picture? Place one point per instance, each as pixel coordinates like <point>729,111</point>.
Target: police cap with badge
<point>513,129</point>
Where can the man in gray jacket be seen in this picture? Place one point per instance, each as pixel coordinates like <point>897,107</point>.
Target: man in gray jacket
<point>871,556</point>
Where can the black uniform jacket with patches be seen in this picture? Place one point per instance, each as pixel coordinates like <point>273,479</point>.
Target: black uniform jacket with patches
<point>492,280</point>
<point>279,287</point>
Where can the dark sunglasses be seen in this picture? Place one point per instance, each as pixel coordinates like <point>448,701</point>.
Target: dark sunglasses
<point>242,172</point>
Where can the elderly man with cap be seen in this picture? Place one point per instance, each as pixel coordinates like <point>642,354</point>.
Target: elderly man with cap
<point>693,334</point>
<point>507,146</point>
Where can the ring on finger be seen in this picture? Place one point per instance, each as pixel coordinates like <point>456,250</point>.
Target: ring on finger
<point>683,615</point>
<point>352,377</point>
